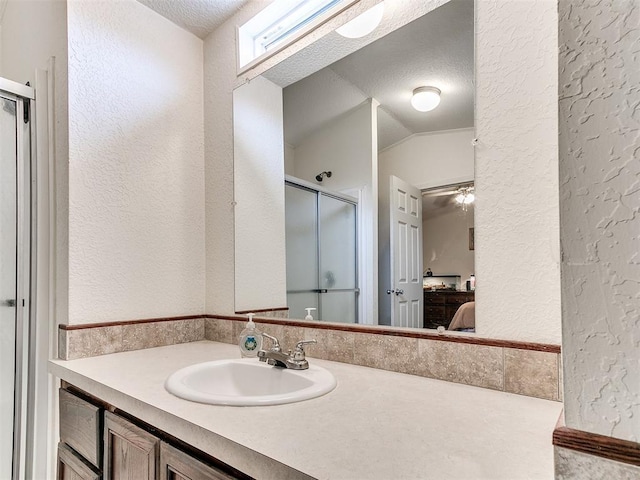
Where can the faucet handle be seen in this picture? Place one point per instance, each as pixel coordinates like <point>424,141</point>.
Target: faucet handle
<point>300,345</point>
<point>275,347</point>
<point>298,353</point>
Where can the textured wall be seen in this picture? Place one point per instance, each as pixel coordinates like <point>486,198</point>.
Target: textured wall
<point>219,81</point>
<point>136,194</point>
<point>342,147</point>
<point>445,247</point>
<point>600,211</point>
<point>429,159</point>
<point>517,246</point>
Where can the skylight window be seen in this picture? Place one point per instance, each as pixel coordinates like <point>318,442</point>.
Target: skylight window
<point>281,23</point>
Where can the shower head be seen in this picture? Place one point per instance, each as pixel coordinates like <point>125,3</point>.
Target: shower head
<point>323,174</point>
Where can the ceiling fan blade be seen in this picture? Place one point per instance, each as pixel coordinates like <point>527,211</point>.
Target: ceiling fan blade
<point>439,194</point>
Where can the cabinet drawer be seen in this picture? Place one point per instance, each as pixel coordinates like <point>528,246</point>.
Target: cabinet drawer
<point>80,426</point>
<point>73,467</point>
<point>459,299</point>
<point>178,465</point>
<point>431,298</point>
<point>437,310</point>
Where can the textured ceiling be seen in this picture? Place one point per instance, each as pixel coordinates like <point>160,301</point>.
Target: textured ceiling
<point>436,49</point>
<point>200,17</point>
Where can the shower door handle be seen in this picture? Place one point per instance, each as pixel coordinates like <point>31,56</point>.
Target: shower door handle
<point>8,303</point>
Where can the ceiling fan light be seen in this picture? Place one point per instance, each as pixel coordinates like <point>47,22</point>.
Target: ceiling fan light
<point>460,198</point>
<point>425,99</point>
<point>469,198</point>
<point>363,24</point>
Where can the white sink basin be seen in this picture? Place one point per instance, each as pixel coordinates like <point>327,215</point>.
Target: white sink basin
<point>248,382</point>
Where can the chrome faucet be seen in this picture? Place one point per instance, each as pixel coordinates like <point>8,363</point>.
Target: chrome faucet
<point>295,360</point>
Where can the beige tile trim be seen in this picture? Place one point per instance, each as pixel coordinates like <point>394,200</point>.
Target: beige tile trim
<point>525,372</point>
<point>449,337</point>
<point>595,444</point>
<point>572,464</point>
<point>522,371</point>
<point>90,342</point>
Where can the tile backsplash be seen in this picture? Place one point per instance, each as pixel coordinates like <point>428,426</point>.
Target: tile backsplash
<point>90,342</point>
<point>525,372</point>
<point>510,369</point>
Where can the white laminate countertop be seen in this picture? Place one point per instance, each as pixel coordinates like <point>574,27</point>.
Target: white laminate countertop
<point>374,425</point>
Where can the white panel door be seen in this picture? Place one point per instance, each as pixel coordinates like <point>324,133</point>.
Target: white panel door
<point>406,254</point>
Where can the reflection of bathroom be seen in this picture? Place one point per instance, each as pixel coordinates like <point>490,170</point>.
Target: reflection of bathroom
<point>348,129</point>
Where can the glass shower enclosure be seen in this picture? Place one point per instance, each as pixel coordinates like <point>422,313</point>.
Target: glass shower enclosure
<point>321,249</point>
<point>15,233</point>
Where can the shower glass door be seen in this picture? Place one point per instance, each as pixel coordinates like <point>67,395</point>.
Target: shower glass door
<point>8,279</point>
<point>321,254</point>
<point>15,266</point>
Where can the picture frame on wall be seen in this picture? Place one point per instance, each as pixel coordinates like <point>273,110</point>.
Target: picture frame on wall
<point>471,239</point>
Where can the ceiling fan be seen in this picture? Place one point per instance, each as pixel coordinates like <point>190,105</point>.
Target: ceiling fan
<point>461,194</point>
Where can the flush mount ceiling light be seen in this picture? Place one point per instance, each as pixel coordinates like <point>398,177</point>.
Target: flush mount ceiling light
<point>363,24</point>
<point>425,99</point>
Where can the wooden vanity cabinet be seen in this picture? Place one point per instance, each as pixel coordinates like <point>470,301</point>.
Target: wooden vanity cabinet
<point>80,447</point>
<point>134,453</point>
<point>178,465</point>
<point>72,466</point>
<point>121,447</point>
<point>129,451</point>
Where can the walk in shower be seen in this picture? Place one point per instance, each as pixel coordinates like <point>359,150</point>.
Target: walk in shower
<point>15,241</point>
<point>321,246</point>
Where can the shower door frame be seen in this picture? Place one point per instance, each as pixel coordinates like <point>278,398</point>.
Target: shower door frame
<point>304,185</point>
<point>25,201</point>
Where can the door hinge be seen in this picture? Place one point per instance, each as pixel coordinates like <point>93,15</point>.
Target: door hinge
<point>26,110</point>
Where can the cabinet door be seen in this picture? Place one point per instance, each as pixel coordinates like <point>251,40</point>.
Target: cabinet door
<point>72,467</point>
<point>130,453</point>
<point>178,465</point>
<point>80,426</point>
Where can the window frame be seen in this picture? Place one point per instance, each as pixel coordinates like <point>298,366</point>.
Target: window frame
<point>246,40</point>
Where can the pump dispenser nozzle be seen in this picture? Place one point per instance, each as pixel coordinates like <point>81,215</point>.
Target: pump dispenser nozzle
<point>309,316</point>
<point>250,340</point>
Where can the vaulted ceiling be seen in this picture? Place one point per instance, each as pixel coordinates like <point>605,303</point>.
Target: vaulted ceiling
<point>434,50</point>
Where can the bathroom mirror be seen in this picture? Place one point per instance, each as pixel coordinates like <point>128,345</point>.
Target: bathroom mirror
<point>374,198</point>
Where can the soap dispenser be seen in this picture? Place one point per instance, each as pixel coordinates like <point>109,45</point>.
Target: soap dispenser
<point>309,316</point>
<point>250,339</point>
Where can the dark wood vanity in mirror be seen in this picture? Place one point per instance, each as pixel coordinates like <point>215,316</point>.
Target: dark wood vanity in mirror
<point>440,306</point>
